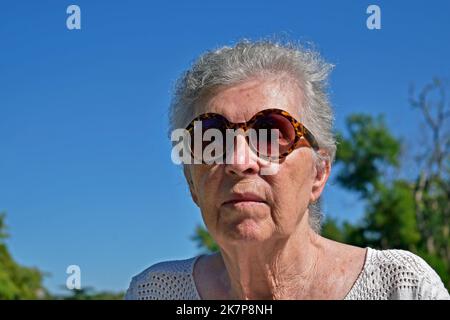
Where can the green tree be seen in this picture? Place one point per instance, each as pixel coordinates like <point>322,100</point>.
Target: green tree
<point>19,282</point>
<point>365,154</point>
<point>366,160</point>
<point>204,240</point>
<point>90,293</point>
<point>16,281</point>
<point>412,213</point>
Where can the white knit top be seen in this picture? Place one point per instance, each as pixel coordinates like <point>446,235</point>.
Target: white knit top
<point>386,275</point>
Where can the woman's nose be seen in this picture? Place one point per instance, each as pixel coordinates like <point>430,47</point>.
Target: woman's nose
<point>241,160</point>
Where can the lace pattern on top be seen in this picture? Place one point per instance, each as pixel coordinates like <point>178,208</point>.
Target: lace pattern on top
<point>386,275</point>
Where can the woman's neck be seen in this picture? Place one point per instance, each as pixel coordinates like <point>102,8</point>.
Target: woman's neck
<point>285,269</point>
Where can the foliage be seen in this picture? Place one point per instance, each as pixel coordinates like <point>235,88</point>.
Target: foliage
<point>19,282</point>
<point>204,240</point>
<point>16,281</point>
<point>412,213</point>
<point>89,293</point>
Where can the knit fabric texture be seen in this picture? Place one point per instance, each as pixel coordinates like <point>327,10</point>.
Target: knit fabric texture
<point>386,275</point>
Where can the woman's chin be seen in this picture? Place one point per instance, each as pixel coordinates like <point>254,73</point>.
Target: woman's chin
<point>247,230</point>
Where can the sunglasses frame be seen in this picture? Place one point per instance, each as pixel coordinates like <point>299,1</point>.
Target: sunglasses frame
<point>300,130</point>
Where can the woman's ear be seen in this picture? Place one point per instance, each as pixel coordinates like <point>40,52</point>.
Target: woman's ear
<point>322,173</point>
<point>187,175</point>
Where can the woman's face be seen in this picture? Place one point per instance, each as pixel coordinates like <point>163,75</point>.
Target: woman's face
<point>237,202</point>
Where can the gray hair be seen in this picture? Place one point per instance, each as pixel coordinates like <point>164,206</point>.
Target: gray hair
<point>229,66</point>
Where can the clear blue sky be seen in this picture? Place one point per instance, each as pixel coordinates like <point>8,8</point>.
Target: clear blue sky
<point>85,170</point>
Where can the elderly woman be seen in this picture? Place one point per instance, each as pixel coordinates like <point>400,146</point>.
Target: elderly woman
<point>267,225</point>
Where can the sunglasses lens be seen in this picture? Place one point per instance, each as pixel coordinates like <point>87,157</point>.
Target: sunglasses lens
<point>284,132</point>
<point>208,131</point>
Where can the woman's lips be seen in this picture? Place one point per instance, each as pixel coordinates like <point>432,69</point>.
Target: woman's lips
<point>244,199</point>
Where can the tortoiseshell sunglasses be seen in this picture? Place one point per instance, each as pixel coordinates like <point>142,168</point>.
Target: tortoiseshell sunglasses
<point>290,131</point>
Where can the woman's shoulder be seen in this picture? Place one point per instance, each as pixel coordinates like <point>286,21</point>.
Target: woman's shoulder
<point>166,280</point>
<point>397,274</point>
